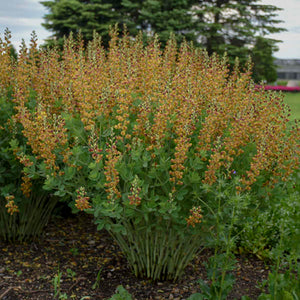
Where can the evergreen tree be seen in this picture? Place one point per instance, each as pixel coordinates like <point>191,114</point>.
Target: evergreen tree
<point>13,52</point>
<point>264,68</point>
<point>87,16</point>
<point>131,16</point>
<point>149,16</point>
<point>163,17</point>
<point>233,26</point>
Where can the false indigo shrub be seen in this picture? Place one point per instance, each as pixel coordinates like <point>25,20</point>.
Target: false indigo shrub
<point>139,136</point>
<point>25,207</point>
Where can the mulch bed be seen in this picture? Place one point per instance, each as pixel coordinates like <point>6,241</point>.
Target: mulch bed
<point>27,270</point>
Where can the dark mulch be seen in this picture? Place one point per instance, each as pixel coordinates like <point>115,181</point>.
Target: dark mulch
<point>27,270</point>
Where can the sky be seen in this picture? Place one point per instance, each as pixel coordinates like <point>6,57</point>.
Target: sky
<point>24,16</point>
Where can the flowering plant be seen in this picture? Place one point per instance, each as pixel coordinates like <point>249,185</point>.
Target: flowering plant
<point>140,137</point>
<point>25,207</point>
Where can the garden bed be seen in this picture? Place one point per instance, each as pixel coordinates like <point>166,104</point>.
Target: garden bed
<point>73,248</point>
<point>169,151</point>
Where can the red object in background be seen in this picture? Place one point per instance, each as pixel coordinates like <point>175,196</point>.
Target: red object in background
<point>282,88</point>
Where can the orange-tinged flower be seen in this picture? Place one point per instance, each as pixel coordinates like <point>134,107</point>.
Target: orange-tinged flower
<point>82,200</point>
<point>11,206</point>
<point>195,216</point>
<point>134,195</point>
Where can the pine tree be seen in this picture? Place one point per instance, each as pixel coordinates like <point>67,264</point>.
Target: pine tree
<point>85,16</point>
<point>264,68</point>
<point>149,16</point>
<point>233,26</point>
<point>132,17</point>
<point>162,17</point>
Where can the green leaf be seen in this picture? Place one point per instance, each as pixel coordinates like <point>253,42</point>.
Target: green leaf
<point>121,294</point>
<point>152,173</point>
<point>69,173</point>
<point>245,298</point>
<point>194,177</point>
<point>136,154</point>
<point>92,165</point>
<point>60,193</point>
<point>100,224</point>
<point>125,172</point>
<point>50,184</point>
<point>197,163</point>
<point>196,296</point>
<point>77,150</point>
<point>180,194</point>
<point>107,226</point>
<point>94,175</point>
<point>14,143</point>
<point>117,228</point>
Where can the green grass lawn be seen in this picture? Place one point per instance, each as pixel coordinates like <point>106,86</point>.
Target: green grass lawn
<point>293,100</point>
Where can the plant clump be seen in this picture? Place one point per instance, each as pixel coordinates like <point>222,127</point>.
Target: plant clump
<point>140,137</point>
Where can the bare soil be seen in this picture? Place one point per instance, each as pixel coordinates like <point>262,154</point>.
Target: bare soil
<point>91,266</point>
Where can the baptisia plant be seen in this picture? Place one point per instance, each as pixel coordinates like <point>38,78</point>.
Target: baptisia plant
<point>25,207</point>
<point>140,137</point>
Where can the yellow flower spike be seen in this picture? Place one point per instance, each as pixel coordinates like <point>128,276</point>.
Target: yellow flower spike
<point>82,200</point>
<point>11,206</point>
<point>195,216</point>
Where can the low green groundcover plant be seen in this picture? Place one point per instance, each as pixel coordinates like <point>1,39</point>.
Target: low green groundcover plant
<point>152,143</point>
<point>121,294</point>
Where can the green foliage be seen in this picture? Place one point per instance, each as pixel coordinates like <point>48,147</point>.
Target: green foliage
<point>264,68</point>
<point>293,101</point>
<point>231,26</point>
<point>224,213</point>
<point>71,274</point>
<point>283,281</point>
<point>162,18</point>
<point>121,294</point>
<point>272,217</point>
<point>268,227</point>
<point>97,282</point>
<point>219,26</point>
<point>34,210</point>
<point>284,286</point>
<point>76,16</point>
<point>221,280</point>
<point>56,281</point>
<point>148,233</point>
<point>281,82</point>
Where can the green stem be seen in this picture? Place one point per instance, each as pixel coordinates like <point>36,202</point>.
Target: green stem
<point>224,270</point>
